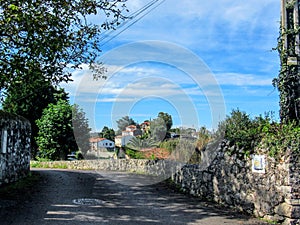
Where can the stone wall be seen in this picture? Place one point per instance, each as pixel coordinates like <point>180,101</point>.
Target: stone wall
<point>14,147</point>
<point>231,181</point>
<point>226,179</point>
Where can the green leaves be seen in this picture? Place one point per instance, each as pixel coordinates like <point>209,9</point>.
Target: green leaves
<point>246,135</point>
<point>58,129</point>
<point>50,37</point>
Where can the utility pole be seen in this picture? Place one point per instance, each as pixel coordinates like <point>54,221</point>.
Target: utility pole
<point>288,82</point>
<point>290,21</point>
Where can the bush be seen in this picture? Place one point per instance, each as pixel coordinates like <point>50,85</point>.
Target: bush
<point>133,154</point>
<point>246,134</point>
<point>278,138</point>
<point>240,131</point>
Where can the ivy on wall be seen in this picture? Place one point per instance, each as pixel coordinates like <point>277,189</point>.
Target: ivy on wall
<point>288,80</point>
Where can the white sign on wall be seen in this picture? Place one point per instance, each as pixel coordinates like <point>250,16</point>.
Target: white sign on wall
<point>258,164</point>
<point>4,141</point>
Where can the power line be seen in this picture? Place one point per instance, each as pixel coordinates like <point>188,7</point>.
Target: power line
<point>130,17</point>
<point>134,18</point>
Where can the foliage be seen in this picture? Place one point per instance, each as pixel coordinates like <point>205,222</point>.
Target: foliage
<point>108,133</point>
<point>51,37</point>
<point>30,99</point>
<point>184,150</point>
<point>158,129</point>
<point>133,154</point>
<point>48,164</point>
<point>288,80</point>
<point>56,134</point>
<point>81,130</point>
<point>124,122</point>
<point>240,131</point>
<point>279,138</point>
<point>175,130</point>
<point>247,135</point>
<point>167,119</point>
<point>187,131</point>
<point>139,144</point>
<point>204,136</point>
<point>170,145</point>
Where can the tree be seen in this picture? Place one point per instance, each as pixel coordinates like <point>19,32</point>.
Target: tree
<point>139,144</point>
<point>81,129</point>
<point>167,119</point>
<point>56,131</point>
<point>158,129</point>
<point>30,99</point>
<point>124,122</point>
<point>51,37</point>
<point>108,133</point>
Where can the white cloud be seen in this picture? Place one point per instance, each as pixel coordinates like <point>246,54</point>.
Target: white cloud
<point>236,79</point>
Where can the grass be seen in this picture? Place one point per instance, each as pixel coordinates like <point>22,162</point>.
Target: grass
<point>38,164</point>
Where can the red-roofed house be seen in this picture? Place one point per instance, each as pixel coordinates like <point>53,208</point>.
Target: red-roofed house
<point>97,143</point>
<point>131,130</point>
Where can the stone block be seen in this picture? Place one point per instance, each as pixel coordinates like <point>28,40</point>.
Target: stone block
<point>284,209</point>
<point>289,221</point>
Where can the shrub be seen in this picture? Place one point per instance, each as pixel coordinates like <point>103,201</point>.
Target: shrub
<point>246,134</point>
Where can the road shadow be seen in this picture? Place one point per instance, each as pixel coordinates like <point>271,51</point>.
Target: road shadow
<point>87,197</point>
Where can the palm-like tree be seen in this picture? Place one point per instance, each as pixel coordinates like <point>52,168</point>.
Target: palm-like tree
<point>138,144</point>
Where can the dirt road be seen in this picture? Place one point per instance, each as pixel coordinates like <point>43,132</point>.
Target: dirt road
<point>89,197</point>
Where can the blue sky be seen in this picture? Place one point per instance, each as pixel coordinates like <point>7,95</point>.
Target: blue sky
<point>196,60</point>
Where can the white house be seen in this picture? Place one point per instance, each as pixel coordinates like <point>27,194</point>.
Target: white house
<point>100,148</point>
<point>131,130</point>
<point>122,140</point>
<point>97,143</point>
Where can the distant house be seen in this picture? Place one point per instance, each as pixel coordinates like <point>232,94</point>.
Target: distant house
<point>131,130</point>
<point>122,140</point>
<point>100,148</point>
<point>127,134</point>
<point>97,143</point>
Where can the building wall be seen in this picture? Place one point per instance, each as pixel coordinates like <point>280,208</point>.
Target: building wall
<point>106,144</point>
<point>15,135</point>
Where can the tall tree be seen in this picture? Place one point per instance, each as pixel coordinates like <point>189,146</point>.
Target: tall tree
<point>158,129</point>
<point>167,118</point>
<point>51,37</point>
<point>81,129</point>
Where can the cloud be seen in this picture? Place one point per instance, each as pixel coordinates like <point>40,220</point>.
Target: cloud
<point>237,79</point>
<point>143,80</point>
<point>191,20</point>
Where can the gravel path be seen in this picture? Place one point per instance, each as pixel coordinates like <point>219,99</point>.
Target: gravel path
<point>89,197</point>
